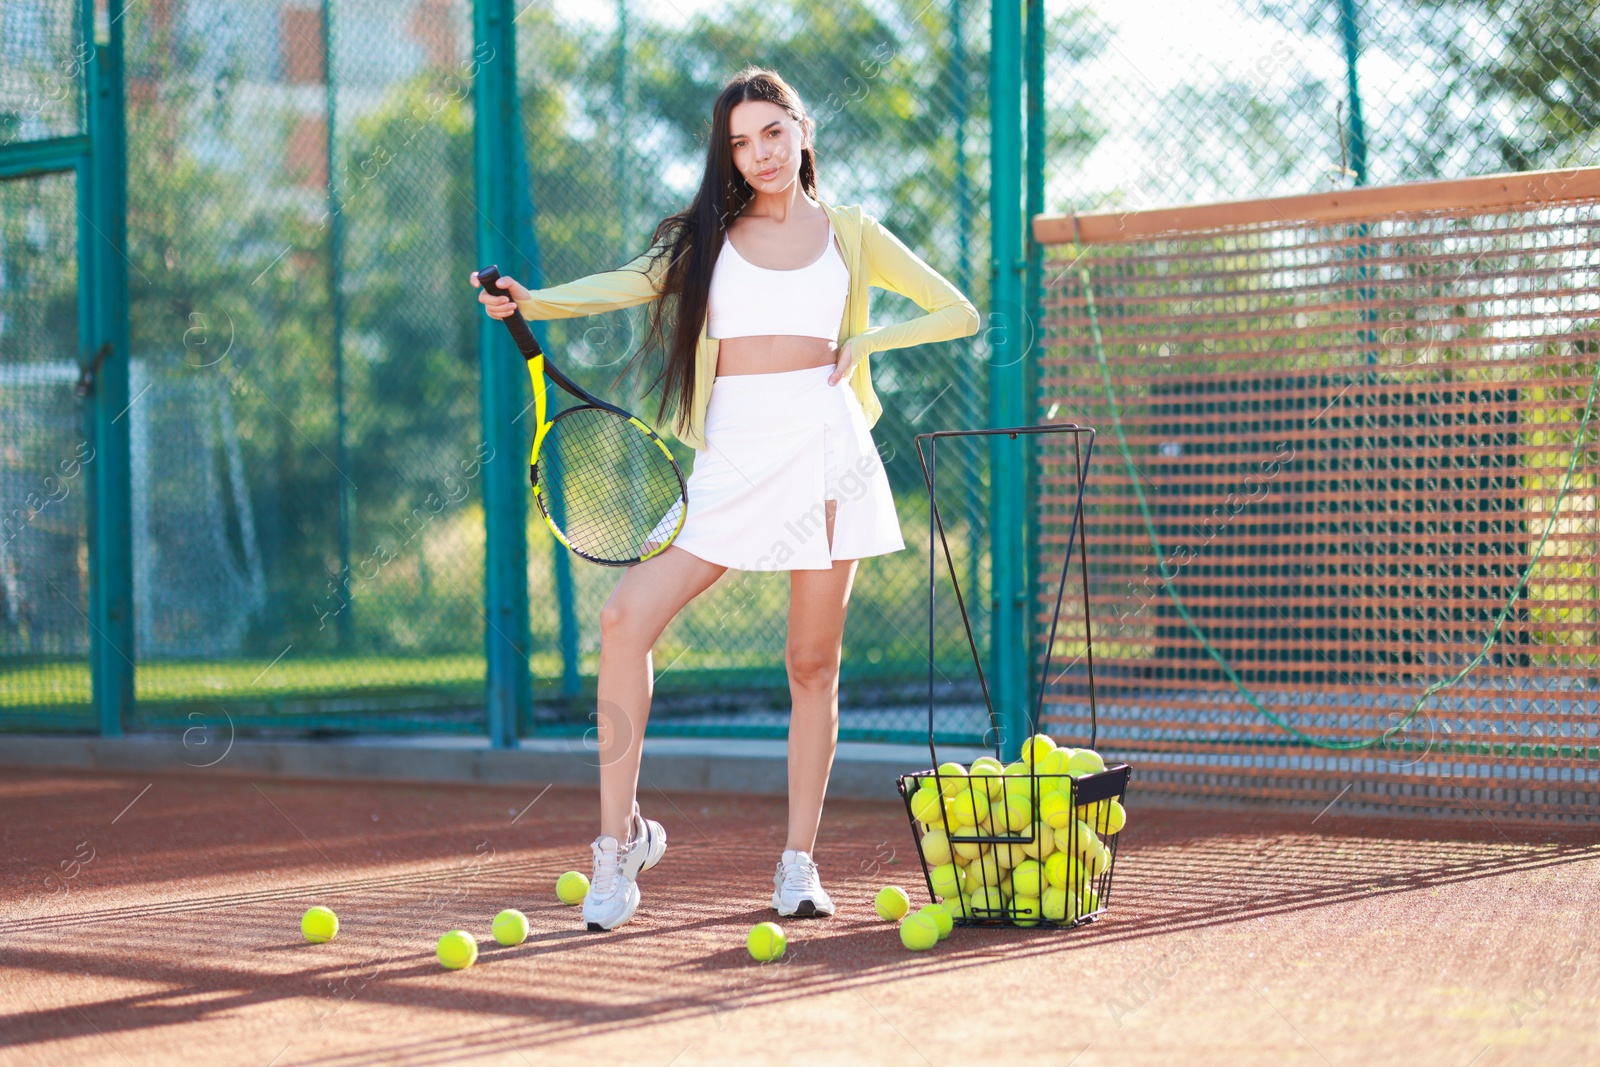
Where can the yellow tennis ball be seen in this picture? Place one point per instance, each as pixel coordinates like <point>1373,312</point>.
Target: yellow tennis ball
<point>1025,911</point>
<point>1035,747</point>
<point>935,845</point>
<point>985,870</point>
<point>1088,841</point>
<point>989,776</point>
<point>947,880</point>
<point>1066,837</point>
<point>1055,870</point>
<point>1020,785</point>
<point>1027,878</point>
<point>952,778</point>
<point>1097,861</point>
<point>766,941</point>
<point>1056,809</point>
<point>1055,903</point>
<point>1085,761</point>
<point>457,949</point>
<point>1020,767</point>
<point>927,806</point>
<point>510,927</point>
<point>940,915</point>
<point>1116,818</point>
<point>1014,811</point>
<point>892,902</point>
<point>319,924</point>
<point>987,899</point>
<point>980,804</point>
<point>1076,837</point>
<point>1091,901</point>
<point>1043,843</point>
<point>967,851</point>
<point>919,932</point>
<point>572,887</point>
<point>1005,886</point>
<point>1052,767</point>
<point>971,806</point>
<point>1008,855</point>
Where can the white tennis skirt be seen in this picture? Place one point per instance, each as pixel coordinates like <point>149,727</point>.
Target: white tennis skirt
<point>777,446</point>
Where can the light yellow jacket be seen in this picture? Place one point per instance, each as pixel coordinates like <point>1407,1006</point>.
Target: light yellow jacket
<point>873,256</point>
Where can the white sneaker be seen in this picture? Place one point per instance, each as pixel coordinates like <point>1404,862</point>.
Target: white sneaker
<point>613,894</point>
<point>796,889</point>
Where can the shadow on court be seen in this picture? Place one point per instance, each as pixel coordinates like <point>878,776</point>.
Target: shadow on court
<point>178,936</point>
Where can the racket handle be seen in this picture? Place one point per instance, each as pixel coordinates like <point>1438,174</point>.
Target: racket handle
<point>489,278</point>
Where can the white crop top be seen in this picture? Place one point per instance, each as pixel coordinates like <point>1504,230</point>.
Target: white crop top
<point>747,300</point>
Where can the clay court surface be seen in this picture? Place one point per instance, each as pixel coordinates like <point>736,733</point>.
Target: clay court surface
<point>167,932</point>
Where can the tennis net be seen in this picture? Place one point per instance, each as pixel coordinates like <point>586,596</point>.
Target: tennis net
<point>1344,524</point>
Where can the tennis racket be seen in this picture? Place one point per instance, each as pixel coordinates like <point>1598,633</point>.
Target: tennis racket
<point>607,485</point>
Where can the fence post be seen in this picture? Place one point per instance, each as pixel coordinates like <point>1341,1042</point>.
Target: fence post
<point>972,491</point>
<point>526,267</point>
<point>531,267</point>
<point>347,616</point>
<point>103,286</point>
<point>1033,303</point>
<point>1352,49</point>
<point>1007,342</point>
<point>506,633</point>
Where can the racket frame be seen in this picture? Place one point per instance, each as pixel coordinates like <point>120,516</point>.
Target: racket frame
<point>538,369</point>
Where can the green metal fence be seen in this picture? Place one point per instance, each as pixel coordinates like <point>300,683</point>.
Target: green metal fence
<point>324,506</point>
<point>1343,525</point>
<point>57,309</point>
<point>1243,99</point>
<point>292,496</point>
<point>44,530</point>
<point>305,288</point>
<point>616,108</point>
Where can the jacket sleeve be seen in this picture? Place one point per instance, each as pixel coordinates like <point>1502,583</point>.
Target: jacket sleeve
<point>893,266</point>
<point>635,282</point>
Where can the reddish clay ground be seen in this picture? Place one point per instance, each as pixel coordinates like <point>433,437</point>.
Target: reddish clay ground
<point>167,932</point>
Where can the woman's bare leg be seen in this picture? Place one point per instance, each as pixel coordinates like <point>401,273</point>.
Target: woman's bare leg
<point>644,601</point>
<point>818,601</point>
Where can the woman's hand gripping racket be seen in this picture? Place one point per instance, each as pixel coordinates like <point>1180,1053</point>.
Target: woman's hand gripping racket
<point>607,485</point>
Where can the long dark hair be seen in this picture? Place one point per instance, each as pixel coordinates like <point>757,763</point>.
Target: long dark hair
<point>692,238</point>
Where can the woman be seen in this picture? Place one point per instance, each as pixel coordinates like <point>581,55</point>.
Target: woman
<point>771,316</point>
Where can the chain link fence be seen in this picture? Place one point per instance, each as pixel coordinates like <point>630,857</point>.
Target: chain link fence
<point>616,106</point>
<point>44,632</point>
<point>1349,501</point>
<point>44,453</point>
<point>305,428</point>
<point>1154,103</point>
<point>308,546</point>
<point>304,416</point>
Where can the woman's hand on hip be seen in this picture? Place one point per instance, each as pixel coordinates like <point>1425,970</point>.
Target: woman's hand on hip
<point>845,363</point>
<point>500,307</point>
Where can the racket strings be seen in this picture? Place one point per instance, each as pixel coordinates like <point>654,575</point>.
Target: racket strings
<point>608,486</point>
